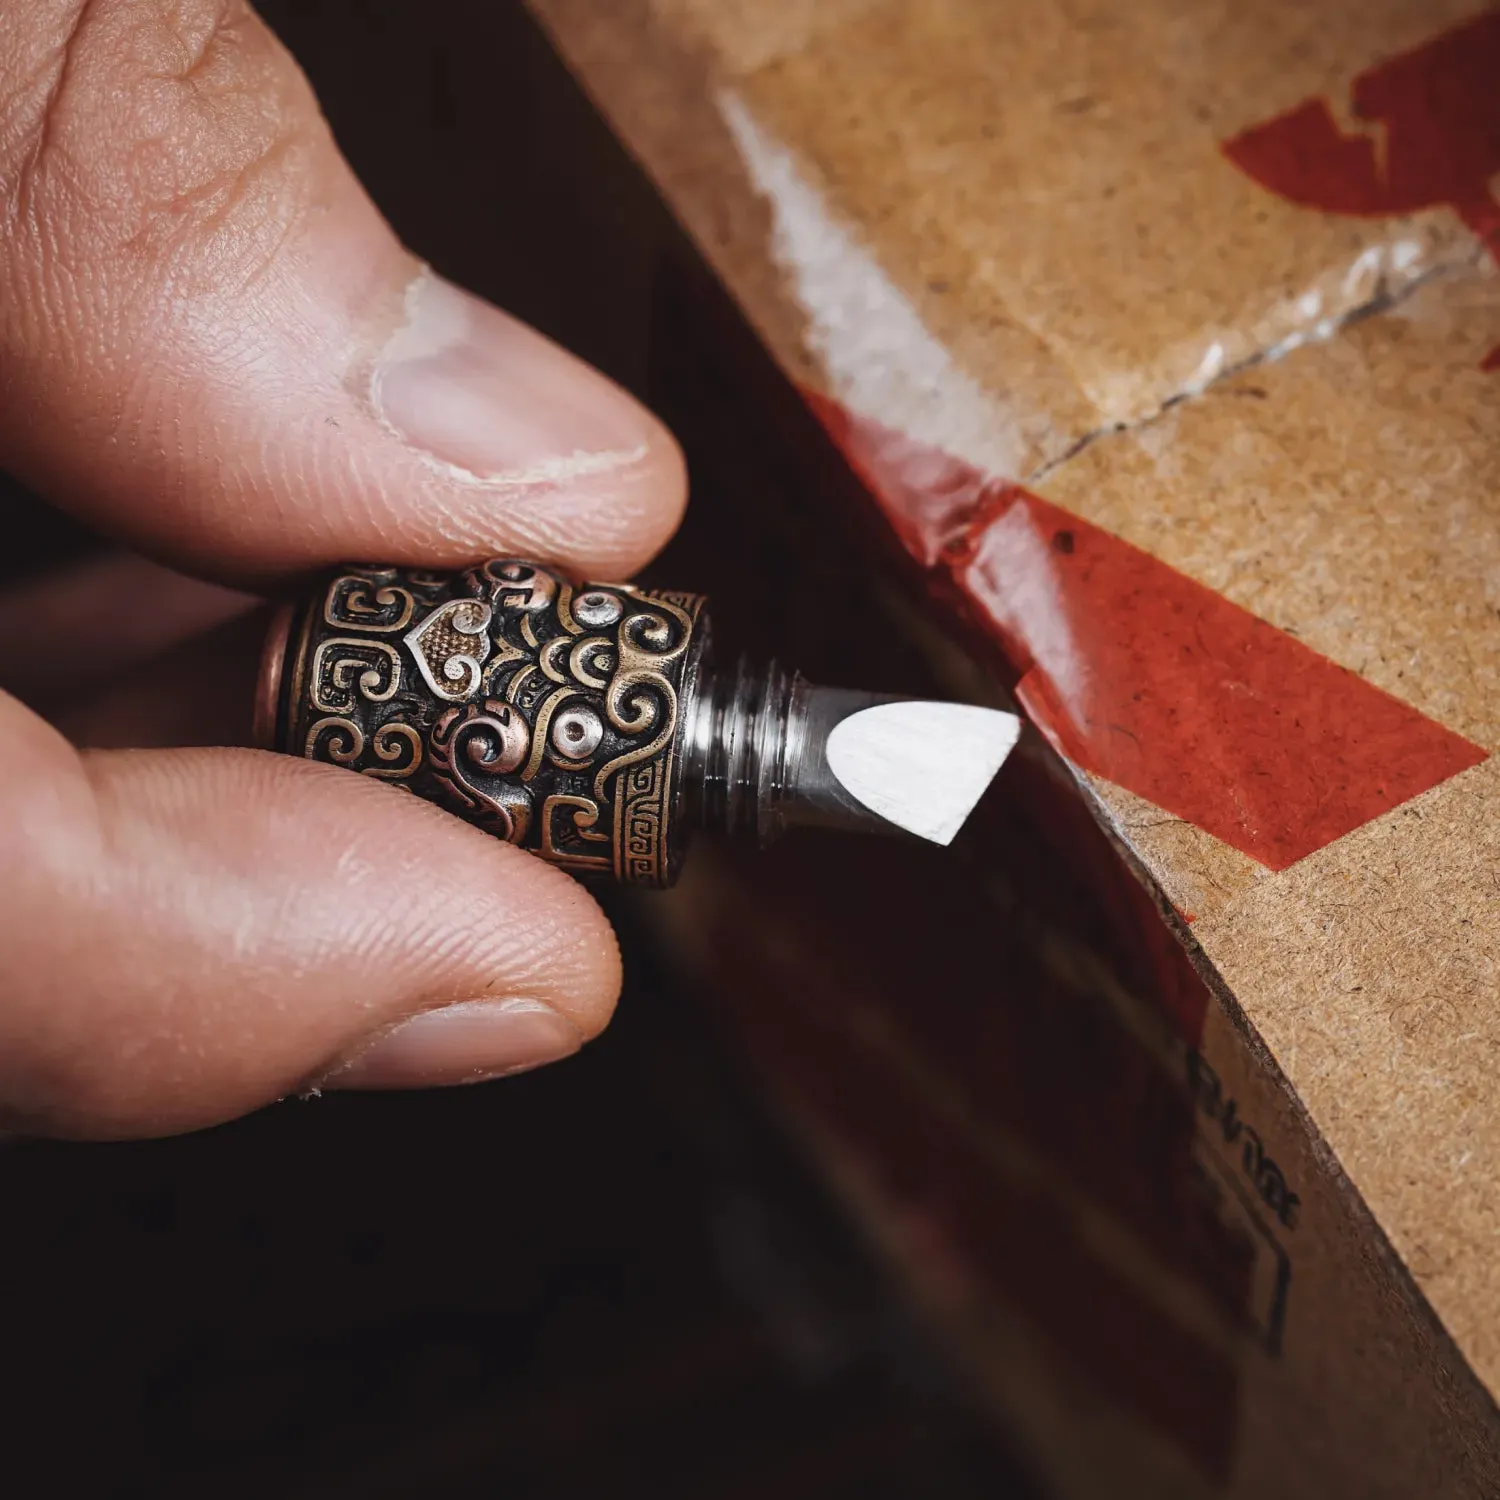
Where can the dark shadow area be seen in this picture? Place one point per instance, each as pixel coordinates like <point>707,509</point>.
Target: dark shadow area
<point>607,1278</point>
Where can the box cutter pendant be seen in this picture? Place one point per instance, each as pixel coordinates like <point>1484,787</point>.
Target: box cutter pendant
<point>587,724</point>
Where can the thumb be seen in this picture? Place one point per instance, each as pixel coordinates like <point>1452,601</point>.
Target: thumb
<point>213,345</point>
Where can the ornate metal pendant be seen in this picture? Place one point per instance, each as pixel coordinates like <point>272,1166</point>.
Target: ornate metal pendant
<point>586,724</point>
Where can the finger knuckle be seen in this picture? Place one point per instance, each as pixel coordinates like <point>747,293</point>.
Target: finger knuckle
<point>159,132</point>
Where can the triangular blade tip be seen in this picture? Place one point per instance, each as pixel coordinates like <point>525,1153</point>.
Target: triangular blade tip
<point>921,765</point>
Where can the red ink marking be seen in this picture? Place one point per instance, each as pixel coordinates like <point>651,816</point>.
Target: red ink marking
<point>1437,141</point>
<point>1140,675</point>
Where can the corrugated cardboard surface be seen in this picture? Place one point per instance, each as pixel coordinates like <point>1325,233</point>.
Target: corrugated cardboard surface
<point>1018,237</point>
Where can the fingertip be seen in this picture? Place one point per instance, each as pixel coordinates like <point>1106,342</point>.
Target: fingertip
<point>588,953</point>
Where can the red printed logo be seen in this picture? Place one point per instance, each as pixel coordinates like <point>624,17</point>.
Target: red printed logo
<point>1433,139</point>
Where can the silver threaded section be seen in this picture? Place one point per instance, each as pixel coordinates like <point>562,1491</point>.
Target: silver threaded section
<point>739,752</point>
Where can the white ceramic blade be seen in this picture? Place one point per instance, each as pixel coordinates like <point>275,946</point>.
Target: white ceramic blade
<point>921,766</point>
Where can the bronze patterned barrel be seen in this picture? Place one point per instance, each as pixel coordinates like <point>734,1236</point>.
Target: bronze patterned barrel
<point>545,712</point>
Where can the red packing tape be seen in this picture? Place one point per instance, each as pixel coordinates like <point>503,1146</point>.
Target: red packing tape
<point>1140,675</point>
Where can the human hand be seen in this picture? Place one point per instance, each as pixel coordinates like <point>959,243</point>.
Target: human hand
<point>213,348</point>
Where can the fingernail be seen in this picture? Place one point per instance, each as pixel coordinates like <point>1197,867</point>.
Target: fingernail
<point>466,1043</point>
<point>482,394</point>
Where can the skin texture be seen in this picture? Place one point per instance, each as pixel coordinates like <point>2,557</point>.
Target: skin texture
<point>213,348</point>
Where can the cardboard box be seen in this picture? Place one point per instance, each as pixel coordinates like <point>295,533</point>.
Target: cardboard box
<point>1165,341</point>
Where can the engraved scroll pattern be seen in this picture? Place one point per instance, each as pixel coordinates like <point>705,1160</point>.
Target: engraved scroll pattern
<point>542,711</point>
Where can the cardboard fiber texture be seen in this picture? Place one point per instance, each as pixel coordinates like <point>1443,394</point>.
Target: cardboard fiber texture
<point>1164,339</point>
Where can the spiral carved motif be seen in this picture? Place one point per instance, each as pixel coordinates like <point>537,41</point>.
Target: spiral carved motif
<point>544,712</point>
